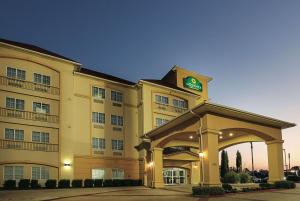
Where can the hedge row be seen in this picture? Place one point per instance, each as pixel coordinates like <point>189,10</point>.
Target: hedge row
<point>65,183</point>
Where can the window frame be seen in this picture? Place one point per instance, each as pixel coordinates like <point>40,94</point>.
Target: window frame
<point>118,96</point>
<point>41,134</point>
<point>99,96</point>
<point>42,78</point>
<point>119,120</point>
<point>14,134</point>
<point>13,172</point>
<point>41,107</point>
<point>99,141</point>
<point>119,145</point>
<point>42,170</point>
<point>15,104</point>
<point>99,116</point>
<point>17,74</point>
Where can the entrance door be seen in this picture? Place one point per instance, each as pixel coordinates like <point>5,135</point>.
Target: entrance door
<point>174,176</point>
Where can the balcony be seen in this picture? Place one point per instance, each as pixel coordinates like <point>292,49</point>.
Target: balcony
<point>31,146</point>
<point>28,85</point>
<point>5,112</point>
<point>169,108</point>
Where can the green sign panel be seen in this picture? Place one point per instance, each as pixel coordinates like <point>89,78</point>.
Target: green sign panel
<point>192,83</point>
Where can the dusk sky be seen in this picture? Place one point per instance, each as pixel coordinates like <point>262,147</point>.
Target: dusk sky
<point>250,48</point>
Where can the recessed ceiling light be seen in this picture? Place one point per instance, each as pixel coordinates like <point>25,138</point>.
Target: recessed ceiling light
<point>220,132</point>
<point>230,134</point>
<point>191,137</point>
<point>221,137</point>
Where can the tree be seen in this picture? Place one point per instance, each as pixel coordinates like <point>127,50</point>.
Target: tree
<point>224,163</point>
<point>238,161</point>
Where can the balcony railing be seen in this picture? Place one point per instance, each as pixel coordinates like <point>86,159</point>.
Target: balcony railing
<point>28,85</point>
<point>34,116</point>
<point>169,108</point>
<point>31,146</point>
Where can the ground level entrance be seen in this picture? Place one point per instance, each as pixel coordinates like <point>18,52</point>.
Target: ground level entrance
<point>174,176</point>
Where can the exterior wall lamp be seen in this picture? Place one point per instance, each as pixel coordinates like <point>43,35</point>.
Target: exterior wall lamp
<point>201,154</point>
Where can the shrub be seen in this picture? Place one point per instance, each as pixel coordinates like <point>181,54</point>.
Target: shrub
<point>50,183</point>
<point>198,190</point>
<point>294,178</point>
<point>231,178</point>
<point>227,187</point>
<point>9,184</point>
<point>136,182</point>
<point>24,183</point>
<point>35,184</point>
<point>64,183</point>
<point>266,186</point>
<point>77,183</point>
<point>285,184</point>
<point>88,183</point>
<point>108,183</point>
<point>98,182</point>
<point>244,177</point>
<point>117,182</point>
<point>128,182</point>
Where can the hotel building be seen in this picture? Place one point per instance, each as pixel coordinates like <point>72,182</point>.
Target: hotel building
<point>59,120</point>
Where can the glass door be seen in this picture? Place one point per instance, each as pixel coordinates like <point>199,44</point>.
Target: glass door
<point>174,176</point>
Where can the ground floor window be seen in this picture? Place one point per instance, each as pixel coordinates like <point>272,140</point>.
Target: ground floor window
<point>40,172</point>
<point>13,172</point>
<point>98,173</point>
<point>173,176</point>
<point>117,173</point>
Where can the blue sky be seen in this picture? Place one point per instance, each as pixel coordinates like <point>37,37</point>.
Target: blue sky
<point>250,48</point>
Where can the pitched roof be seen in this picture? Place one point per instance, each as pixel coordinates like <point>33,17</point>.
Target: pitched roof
<point>35,48</point>
<point>167,84</point>
<point>105,76</point>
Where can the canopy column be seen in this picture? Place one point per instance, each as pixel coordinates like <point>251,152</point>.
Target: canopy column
<point>275,160</point>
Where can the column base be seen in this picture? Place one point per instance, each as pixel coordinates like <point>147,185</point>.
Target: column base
<point>158,184</point>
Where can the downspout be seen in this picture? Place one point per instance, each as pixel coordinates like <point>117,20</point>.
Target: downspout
<point>200,144</point>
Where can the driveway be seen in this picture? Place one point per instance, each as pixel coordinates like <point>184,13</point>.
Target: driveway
<point>177,193</point>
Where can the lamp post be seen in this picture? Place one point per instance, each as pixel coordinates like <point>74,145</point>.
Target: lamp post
<point>252,159</point>
<point>285,160</point>
<point>289,155</point>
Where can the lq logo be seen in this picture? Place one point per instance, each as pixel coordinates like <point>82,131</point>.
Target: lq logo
<point>192,83</point>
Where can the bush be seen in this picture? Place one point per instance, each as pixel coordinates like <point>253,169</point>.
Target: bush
<point>64,183</point>
<point>285,184</point>
<point>98,182</point>
<point>50,183</point>
<point>9,184</point>
<point>77,183</point>
<point>117,182</point>
<point>231,178</point>
<point>227,187</point>
<point>244,177</point>
<point>24,183</point>
<point>198,190</point>
<point>266,186</point>
<point>35,184</point>
<point>88,183</point>
<point>294,178</point>
<point>136,182</point>
<point>108,183</point>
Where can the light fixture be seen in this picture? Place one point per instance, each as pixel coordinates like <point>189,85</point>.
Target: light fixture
<point>201,154</point>
<point>191,137</point>
<point>67,164</point>
<point>150,164</point>
<point>221,137</point>
<point>220,132</point>
<point>230,134</point>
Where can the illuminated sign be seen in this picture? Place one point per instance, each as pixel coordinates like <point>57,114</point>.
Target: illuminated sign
<point>192,83</point>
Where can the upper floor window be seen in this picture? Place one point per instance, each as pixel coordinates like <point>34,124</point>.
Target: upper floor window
<point>117,144</point>
<point>117,174</point>
<point>41,107</point>
<point>41,79</point>
<point>116,96</point>
<point>13,103</point>
<point>116,120</point>
<point>98,118</point>
<point>160,121</point>
<point>13,172</point>
<point>16,73</point>
<point>161,99</point>
<point>98,92</point>
<point>14,134</point>
<point>39,173</point>
<point>42,137</point>
<point>180,103</point>
<point>98,143</point>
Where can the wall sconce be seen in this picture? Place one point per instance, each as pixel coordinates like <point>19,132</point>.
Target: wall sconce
<point>201,154</point>
<point>67,163</point>
<point>150,164</point>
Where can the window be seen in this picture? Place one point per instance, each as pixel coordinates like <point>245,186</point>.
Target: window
<point>117,144</point>
<point>116,96</point>
<point>161,99</point>
<point>41,79</point>
<point>98,143</point>
<point>160,121</point>
<point>117,173</point>
<point>16,73</point>
<point>98,118</point>
<point>98,92</point>
<point>13,103</point>
<point>41,107</point>
<point>180,103</point>
<point>98,173</point>
<point>14,134</point>
<point>42,137</point>
<point>13,172</point>
<point>116,120</point>
<point>40,173</point>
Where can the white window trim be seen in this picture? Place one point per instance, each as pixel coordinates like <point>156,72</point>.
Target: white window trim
<point>46,85</point>
<point>41,106</point>
<point>14,134</point>
<point>99,97</point>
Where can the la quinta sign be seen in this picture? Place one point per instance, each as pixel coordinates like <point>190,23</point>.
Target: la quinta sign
<point>192,83</point>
